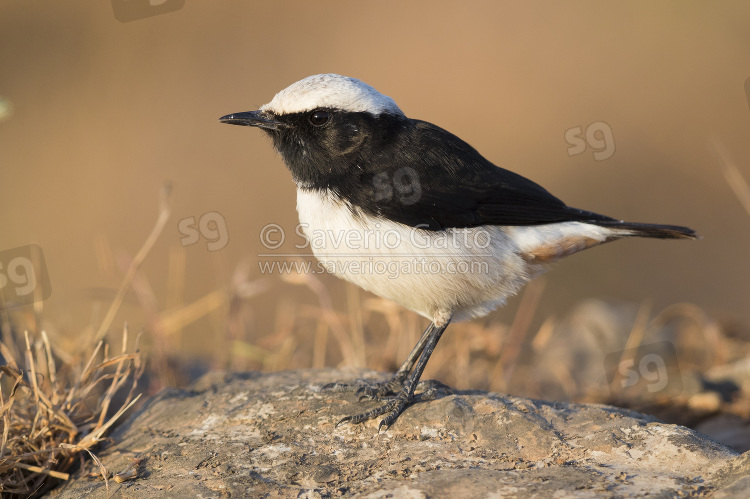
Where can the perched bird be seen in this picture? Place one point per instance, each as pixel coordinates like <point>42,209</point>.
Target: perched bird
<point>414,214</point>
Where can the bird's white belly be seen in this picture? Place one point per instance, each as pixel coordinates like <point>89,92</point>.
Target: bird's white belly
<point>468,272</point>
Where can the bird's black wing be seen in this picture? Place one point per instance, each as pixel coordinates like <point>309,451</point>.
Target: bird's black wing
<point>432,179</point>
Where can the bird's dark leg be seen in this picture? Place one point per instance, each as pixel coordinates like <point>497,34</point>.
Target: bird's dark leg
<point>379,390</point>
<point>393,408</point>
<point>396,383</point>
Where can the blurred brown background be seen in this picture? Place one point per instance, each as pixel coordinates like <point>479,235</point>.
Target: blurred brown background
<point>99,114</point>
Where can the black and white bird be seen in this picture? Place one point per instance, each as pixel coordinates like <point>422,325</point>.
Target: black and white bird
<point>377,192</point>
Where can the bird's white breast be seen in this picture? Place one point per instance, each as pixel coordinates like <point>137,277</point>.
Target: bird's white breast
<point>469,272</point>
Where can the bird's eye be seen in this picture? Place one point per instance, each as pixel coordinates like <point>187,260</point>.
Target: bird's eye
<point>320,118</point>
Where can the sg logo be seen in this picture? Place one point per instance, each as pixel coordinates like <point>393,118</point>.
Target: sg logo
<point>23,276</point>
<point>211,225</point>
<point>598,136</point>
<point>644,370</point>
<point>405,183</point>
<point>132,10</point>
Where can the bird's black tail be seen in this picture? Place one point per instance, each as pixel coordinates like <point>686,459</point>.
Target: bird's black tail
<point>649,230</point>
<point>626,229</point>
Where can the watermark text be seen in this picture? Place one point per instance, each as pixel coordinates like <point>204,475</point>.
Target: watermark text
<point>598,136</point>
<point>23,276</point>
<point>212,226</point>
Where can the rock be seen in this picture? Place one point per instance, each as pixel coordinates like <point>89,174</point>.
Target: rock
<point>727,428</point>
<point>274,435</point>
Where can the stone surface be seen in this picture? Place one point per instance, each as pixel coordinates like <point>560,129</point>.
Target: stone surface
<point>274,435</point>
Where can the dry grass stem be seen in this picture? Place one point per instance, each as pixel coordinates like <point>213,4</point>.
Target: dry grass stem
<point>161,221</point>
<point>49,416</point>
<point>732,174</point>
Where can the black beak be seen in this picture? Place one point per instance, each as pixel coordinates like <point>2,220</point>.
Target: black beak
<point>254,118</point>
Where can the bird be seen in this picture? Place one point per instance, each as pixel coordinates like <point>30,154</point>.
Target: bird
<point>412,213</point>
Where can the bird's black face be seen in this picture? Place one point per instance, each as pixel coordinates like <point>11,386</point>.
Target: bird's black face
<point>322,145</point>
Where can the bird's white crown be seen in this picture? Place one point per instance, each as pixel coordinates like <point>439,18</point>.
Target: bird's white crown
<point>331,91</point>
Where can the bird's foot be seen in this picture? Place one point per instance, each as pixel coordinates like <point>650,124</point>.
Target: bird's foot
<point>404,396</point>
<point>391,409</point>
<point>369,389</point>
<point>430,388</point>
<point>381,390</point>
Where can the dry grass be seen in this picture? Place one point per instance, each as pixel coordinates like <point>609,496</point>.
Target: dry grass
<point>53,411</point>
<point>52,415</point>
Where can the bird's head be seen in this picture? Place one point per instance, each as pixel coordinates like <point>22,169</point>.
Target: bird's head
<point>325,125</point>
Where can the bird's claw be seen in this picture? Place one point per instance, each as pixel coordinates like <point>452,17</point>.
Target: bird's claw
<point>391,409</point>
<point>369,390</point>
<point>394,392</point>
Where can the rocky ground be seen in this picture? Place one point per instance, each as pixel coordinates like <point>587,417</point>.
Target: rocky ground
<point>274,435</point>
